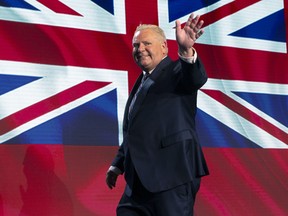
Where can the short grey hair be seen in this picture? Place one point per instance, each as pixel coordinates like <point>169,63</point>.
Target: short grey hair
<point>154,28</point>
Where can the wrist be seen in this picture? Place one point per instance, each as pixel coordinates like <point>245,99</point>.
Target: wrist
<point>186,52</point>
<point>115,170</point>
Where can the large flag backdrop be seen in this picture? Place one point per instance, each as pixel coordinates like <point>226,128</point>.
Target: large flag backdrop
<point>65,74</point>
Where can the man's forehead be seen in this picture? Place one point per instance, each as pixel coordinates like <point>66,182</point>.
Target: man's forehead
<point>144,34</point>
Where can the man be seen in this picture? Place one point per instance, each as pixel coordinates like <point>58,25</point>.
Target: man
<point>160,156</point>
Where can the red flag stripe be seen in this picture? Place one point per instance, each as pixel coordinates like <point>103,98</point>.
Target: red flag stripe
<point>58,7</point>
<point>247,114</point>
<point>23,116</point>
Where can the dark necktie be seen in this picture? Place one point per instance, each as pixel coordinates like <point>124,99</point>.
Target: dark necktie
<point>136,94</point>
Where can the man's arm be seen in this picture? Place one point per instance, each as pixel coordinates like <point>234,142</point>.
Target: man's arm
<point>115,169</point>
<point>187,36</point>
<point>194,75</point>
<point>111,178</point>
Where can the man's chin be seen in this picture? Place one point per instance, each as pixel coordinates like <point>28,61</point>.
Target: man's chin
<point>144,67</point>
<point>143,64</point>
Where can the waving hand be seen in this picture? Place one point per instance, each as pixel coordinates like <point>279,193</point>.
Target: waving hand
<point>187,36</point>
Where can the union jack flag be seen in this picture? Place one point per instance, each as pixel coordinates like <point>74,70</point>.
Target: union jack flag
<point>66,72</point>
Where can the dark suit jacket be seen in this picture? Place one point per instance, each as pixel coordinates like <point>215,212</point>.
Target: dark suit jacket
<point>160,137</point>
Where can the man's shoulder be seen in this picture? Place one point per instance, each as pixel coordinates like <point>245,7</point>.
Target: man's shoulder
<point>170,63</point>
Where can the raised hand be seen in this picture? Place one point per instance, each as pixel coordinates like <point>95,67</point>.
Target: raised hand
<point>187,36</point>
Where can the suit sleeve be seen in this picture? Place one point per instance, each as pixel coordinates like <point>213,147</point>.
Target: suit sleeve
<point>119,159</point>
<point>193,76</point>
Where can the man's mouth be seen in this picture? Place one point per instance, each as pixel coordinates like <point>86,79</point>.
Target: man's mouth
<point>141,56</point>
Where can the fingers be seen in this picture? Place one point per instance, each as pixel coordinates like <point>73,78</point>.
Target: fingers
<point>178,25</point>
<point>187,36</point>
<point>195,24</point>
<point>111,179</point>
<point>190,20</point>
<point>199,33</point>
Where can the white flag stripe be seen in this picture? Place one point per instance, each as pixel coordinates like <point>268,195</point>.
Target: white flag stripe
<point>92,16</point>
<point>238,123</point>
<point>234,120</point>
<point>55,80</point>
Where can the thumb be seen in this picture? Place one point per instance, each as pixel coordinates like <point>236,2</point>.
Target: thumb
<point>177,26</point>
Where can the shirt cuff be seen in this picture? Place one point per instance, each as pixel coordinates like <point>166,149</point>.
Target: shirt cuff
<point>114,169</point>
<point>190,60</point>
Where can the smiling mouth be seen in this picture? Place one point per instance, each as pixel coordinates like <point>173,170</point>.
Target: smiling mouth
<point>139,57</point>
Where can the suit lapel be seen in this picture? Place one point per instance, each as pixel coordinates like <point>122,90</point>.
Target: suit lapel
<point>141,96</point>
<point>144,90</point>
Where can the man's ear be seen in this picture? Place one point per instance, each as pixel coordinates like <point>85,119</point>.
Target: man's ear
<point>164,47</point>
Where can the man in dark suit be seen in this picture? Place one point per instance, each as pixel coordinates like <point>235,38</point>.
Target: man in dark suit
<point>160,156</point>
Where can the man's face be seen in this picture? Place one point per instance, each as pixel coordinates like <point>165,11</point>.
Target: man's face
<point>148,49</point>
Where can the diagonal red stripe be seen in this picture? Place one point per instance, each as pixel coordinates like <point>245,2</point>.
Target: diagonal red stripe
<point>247,114</point>
<point>58,7</point>
<point>226,10</point>
<point>25,115</point>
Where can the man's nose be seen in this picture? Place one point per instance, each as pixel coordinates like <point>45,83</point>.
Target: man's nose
<point>141,47</point>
